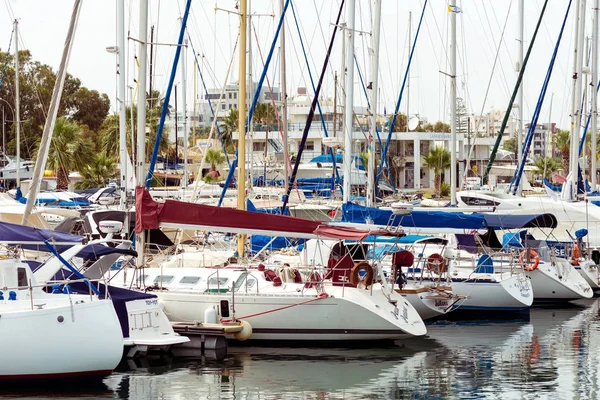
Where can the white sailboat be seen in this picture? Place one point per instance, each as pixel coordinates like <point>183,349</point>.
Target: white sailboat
<point>44,323</point>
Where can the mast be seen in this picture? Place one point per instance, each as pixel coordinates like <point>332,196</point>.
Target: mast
<point>349,111</point>
<point>520,91</point>
<point>241,179</point>
<point>176,130</point>
<point>251,84</point>
<point>141,114</point>
<point>284,111</point>
<point>408,78</point>
<point>594,84</point>
<point>122,107</point>
<point>184,106</point>
<point>576,95</point>
<point>194,107</point>
<point>17,104</point>
<point>343,76</point>
<point>335,84</point>
<point>453,103</point>
<point>151,99</point>
<point>52,113</point>
<point>374,92</point>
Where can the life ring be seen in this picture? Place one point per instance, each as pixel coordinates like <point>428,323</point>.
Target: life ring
<point>575,260</point>
<point>523,259</point>
<point>436,263</point>
<point>354,274</point>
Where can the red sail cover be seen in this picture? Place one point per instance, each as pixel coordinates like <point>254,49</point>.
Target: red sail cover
<point>151,214</point>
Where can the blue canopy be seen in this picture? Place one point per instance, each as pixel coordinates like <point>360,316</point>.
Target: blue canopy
<point>418,219</point>
<point>519,221</point>
<point>95,251</point>
<point>19,235</point>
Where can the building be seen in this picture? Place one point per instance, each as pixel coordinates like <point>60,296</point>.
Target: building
<point>542,139</point>
<point>489,124</point>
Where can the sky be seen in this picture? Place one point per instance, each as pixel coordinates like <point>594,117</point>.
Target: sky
<point>487,31</point>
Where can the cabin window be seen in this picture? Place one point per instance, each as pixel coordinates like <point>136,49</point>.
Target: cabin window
<point>241,282</point>
<point>189,280</point>
<point>164,279</point>
<point>141,280</point>
<point>22,277</point>
<point>214,281</point>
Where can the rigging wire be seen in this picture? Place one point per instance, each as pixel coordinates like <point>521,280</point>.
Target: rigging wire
<point>487,91</point>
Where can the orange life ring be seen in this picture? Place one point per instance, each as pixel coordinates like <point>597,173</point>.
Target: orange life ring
<point>523,258</point>
<point>354,274</point>
<point>575,260</point>
<point>436,263</point>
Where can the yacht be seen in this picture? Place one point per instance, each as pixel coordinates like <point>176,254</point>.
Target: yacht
<point>37,325</point>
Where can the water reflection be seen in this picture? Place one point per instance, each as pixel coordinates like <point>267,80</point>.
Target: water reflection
<point>553,355</point>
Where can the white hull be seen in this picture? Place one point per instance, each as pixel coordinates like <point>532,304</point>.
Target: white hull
<point>512,293</point>
<point>353,315</point>
<point>35,345</point>
<point>589,271</point>
<point>287,312</point>
<point>492,292</point>
<point>558,283</point>
<point>429,305</point>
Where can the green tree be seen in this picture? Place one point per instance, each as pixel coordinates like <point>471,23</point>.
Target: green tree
<point>214,158</point>
<point>510,145</point>
<point>546,166</point>
<point>229,125</point>
<point>36,83</point>
<point>69,151</point>
<point>439,160</point>
<point>97,172</point>
<point>562,142</point>
<point>90,108</point>
<point>400,124</point>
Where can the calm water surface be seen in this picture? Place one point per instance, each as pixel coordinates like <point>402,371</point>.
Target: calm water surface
<point>554,355</point>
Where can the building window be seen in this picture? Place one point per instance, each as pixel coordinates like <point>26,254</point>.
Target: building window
<point>310,146</point>
<point>223,106</point>
<point>258,146</point>
<point>230,95</point>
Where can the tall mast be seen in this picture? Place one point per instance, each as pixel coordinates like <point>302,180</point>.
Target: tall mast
<point>349,110</point>
<point>141,114</point>
<point>520,91</point>
<point>184,106</point>
<point>176,130</point>
<point>408,76</point>
<point>251,86</point>
<point>593,86</point>
<point>284,111</point>
<point>374,92</point>
<point>453,103</point>
<point>194,107</point>
<point>61,75</point>
<point>576,95</point>
<point>122,107</point>
<point>241,178</point>
<point>17,104</point>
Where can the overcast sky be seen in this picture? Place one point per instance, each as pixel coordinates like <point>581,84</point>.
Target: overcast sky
<point>43,26</point>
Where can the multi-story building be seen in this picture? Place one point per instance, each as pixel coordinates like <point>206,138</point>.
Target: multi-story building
<point>542,139</point>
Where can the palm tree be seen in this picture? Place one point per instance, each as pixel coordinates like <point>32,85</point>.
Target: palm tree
<point>97,172</point>
<point>546,166</point>
<point>562,142</point>
<point>438,159</point>
<point>229,125</point>
<point>69,151</point>
<point>214,158</point>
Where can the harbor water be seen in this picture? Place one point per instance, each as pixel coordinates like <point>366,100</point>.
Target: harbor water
<point>554,354</point>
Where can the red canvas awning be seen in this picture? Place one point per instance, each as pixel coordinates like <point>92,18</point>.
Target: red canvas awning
<point>177,214</point>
